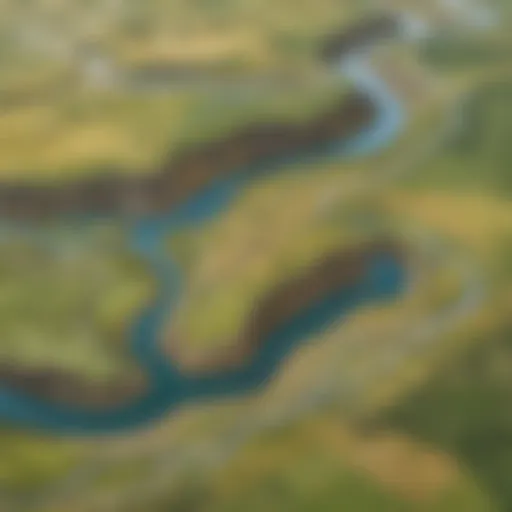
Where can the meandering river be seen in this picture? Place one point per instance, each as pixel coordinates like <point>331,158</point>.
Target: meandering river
<point>168,387</point>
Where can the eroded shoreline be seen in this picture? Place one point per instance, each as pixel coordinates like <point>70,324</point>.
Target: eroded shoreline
<point>338,270</point>
<point>183,176</point>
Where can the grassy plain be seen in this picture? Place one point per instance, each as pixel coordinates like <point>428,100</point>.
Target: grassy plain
<point>85,133</point>
<point>69,108</point>
<point>67,305</point>
<point>237,33</point>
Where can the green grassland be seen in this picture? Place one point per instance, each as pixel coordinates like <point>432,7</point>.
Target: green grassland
<point>462,407</point>
<point>67,307</point>
<point>90,133</point>
<point>55,125</point>
<point>241,33</point>
<point>31,462</point>
<point>479,157</point>
<point>318,464</point>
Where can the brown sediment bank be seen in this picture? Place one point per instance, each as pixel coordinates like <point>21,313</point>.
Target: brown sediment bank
<point>67,388</point>
<point>153,191</point>
<point>340,269</point>
<point>186,174</point>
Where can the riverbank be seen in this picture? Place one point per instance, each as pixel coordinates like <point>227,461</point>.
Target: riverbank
<point>58,386</point>
<point>184,175</point>
<point>68,297</point>
<point>338,270</point>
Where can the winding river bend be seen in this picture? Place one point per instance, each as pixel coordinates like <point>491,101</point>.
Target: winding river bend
<point>168,387</point>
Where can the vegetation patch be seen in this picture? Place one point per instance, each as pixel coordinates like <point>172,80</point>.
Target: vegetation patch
<point>67,302</point>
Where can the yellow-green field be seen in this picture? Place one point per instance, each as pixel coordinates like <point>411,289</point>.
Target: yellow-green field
<point>247,34</point>
<point>69,308</point>
<point>83,133</point>
<point>58,123</point>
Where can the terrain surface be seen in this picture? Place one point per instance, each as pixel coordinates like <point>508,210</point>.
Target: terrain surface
<point>402,405</point>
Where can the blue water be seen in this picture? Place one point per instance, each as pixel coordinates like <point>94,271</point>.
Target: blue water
<point>168,388</point>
